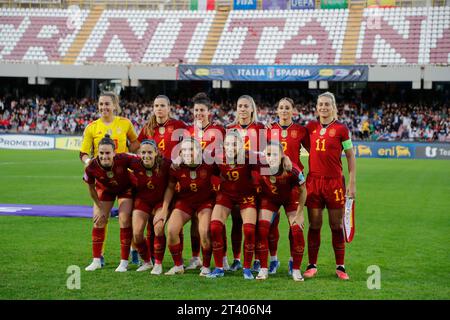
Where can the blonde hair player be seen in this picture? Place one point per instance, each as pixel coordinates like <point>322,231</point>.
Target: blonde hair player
<point>325,182</point>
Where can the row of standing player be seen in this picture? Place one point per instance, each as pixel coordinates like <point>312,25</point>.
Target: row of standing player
<point>325,181</point>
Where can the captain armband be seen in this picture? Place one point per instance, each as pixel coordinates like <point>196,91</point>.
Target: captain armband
<point>347,144</point>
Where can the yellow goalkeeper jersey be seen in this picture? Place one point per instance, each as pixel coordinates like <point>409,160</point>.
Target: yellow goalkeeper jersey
<point>120,130</point>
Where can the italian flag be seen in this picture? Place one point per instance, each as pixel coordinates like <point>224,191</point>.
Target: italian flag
<point>202,4</point>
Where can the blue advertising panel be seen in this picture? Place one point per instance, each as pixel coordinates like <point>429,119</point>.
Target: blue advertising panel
<point>402,150</point>
<point>272,73</point>
<point>303,4</point>
<point>245,4</point>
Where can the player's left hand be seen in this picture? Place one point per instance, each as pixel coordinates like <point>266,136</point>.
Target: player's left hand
<point>351,191</point>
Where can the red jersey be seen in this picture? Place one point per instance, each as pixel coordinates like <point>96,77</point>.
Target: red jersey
<point>208,135</point>
<point>163,136</point>
<point>237,179</point>
<point>291,138</point>
<point>193,184</point>
<point>278,187</point>
<point>251,134</point>
<point>150,185</point>
<point>326,148</point>
<point>114,180</point>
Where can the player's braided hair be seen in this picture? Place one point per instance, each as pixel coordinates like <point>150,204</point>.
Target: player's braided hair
<point>107,140</point>
<point>150,126</point>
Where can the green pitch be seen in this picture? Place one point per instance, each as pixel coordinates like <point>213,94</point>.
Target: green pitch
<point>402,219</point>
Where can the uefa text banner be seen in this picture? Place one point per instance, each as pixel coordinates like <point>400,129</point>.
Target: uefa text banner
<point>401,150</point>
<point>272,73</point>
<point>68,143</point>
<point>26,142</point>
<point>333,4</point>
<point>245,4</point>
<point>202,5</point>
<point>302,4</point>
<point>275,4</point>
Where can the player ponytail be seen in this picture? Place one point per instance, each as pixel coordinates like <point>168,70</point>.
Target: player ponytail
<point>330,96</point>
<point>202,98</point>
<point>149,128</point>
<point>106,140</point>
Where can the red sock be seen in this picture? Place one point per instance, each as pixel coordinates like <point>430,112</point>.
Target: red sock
<point>274,236</point>
<point>150,239</point>
<point>195,244</point>
<point>175,251</point>
<point>217,228</point>
<point>262,242</point>
<point>143,250</point>
<point>236,236</point>
<point>225,246</point>
<point>160,247</point>
<point>126,234</point>
<point>206,253</point>
<point>290,241</point>
<point>181,240</point>
<point>98,237</point>
<point>249,244</point>
<point>338,245</point>
<point>298,246</point>
<point>313,245</point>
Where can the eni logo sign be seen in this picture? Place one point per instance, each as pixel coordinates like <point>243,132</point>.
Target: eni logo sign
<point>394,151</point>
<point>364,150</point>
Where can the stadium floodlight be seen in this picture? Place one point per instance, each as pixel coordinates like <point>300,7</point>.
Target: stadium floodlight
<point>312,84</point>
<point>323,85</point>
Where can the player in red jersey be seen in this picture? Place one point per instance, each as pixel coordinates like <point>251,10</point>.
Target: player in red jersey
<point>166,132</point>
<point>107,177</point>
<point>281,188</point>
<point>194,196</point>
<point>254,136</point>
<point>150,175</point>
<point>236,189</point>
<point>291,136</point>
<point>210,136</point>
<point>325,181</point>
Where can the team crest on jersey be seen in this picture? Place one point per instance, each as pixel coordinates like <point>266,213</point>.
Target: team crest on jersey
<point>294,134</point>
<point>332,132</point>
<point>149,173</point>
<point>244,132</point>
<point>203,174</point>
<point>200,133</point>
<point>193,174</point>
<point>110,174</point>
<point>161,130</point>
<point>273,179</point>
<point>322,131</point>
<point>284,133</point>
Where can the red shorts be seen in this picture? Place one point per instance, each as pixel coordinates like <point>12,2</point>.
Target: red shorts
<point>105,195</point>
<point>146,206</point>
<point>228,201</point>
<point>325,192</point>
<point>289,203</point>
<point>193,207</point>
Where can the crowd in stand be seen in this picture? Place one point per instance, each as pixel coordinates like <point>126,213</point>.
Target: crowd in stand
<point>387,122</point>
